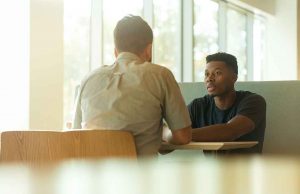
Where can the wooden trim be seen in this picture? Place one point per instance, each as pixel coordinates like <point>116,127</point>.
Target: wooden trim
<point>209,145</point>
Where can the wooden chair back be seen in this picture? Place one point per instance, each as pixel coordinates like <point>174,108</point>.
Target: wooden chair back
<point>39,146</point>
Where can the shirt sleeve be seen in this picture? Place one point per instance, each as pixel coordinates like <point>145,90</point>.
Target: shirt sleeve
<point>174,109</point>
<point>253,107</point>
<point>78,112</point>
<point>192,113</point>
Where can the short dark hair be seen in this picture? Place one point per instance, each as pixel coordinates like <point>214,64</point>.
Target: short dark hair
<point>228,59</point>
<point>132,34</point>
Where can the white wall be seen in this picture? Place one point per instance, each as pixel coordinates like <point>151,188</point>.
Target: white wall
<point>46,64</point>
<point>282,42</point>
<point>14,62</point>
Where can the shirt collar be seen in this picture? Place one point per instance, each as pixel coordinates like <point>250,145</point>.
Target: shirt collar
<point>127,56</point>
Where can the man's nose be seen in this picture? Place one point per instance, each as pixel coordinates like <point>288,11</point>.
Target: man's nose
<point>210,78</point>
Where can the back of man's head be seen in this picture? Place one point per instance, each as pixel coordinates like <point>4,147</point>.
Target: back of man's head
<point>228,59</point>
<point>132,34</point>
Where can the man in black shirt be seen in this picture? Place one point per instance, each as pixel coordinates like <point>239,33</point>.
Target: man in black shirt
<point>225,114</point>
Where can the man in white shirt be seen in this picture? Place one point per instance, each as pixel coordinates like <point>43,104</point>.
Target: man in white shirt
<point>134,94</point>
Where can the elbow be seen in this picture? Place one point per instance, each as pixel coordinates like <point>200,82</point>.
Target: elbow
<point>187,141</point>
<point>182,136</point>
<point>184,141</point>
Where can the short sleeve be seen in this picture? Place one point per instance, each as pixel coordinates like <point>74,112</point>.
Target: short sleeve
<point>77,113</point>
<point>253,107</point>
<point>192,113</point>
<point>174,109</point>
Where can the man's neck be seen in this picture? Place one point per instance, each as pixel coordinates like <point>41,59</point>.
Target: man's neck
<point>225,101</point>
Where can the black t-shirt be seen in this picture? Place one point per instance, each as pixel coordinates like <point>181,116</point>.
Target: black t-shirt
<point>204,112</point>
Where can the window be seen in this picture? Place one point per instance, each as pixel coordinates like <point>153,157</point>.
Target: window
<point>205,34</point>
<point>236,39</point>
<point>113,11</point>
<point>185,32</point>
<point>167,35</point>
<point>76,49</point>
<point>259,44</point>
<point>217,26</point>
<point>14,68</point>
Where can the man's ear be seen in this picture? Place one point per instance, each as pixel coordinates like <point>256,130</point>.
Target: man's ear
<point>149,52</point>
<point>116,52</point>
<point>235,77</point>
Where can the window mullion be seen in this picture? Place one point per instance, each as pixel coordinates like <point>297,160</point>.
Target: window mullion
<point>188,41</point>
<point>249,39</point>
<point>96,34</point>
<point>179,54</point>
<point>148,12</point>
<point>222,17</point>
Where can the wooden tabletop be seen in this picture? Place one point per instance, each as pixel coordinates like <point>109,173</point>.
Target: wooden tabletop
<point>210,145</point>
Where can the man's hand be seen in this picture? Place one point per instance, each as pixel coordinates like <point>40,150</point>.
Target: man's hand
<point>166,134</point>
<point>178,136</point>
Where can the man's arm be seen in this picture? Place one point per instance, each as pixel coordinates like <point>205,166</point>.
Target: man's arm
<point>179,136</point>
<point>233,129</point>
<point>175,112</point>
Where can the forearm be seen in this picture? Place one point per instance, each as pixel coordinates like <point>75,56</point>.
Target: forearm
<point>170,139</point>
<point>178,137</point>
<point>233,129</point>
<point>218,132</point>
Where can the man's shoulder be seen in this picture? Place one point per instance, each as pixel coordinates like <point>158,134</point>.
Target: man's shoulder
<point>152,67</point>
<point>204,100</point>
<point>98,72</point>
<point>248,96</point>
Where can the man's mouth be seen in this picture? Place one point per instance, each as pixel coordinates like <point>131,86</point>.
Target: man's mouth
<point>210,87</point>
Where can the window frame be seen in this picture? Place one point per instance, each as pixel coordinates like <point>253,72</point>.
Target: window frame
<point>185,59</point>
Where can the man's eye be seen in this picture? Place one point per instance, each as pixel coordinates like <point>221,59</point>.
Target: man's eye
<point>218,73</point>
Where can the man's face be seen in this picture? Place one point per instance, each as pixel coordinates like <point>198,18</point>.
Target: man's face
<point>219,78</point>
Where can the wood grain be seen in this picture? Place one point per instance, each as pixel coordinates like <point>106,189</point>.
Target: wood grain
<point>36,146</point>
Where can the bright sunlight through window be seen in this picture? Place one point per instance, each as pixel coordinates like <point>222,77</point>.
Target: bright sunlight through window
<point>14,68</point>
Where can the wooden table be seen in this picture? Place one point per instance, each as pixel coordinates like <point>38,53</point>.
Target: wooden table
<point>210,145</point>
